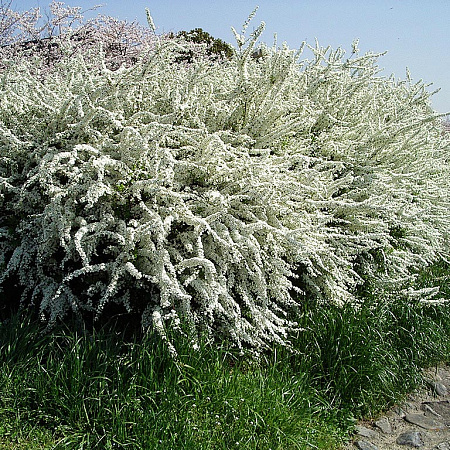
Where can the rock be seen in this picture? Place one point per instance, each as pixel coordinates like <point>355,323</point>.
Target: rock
<point>438,388</point>
<point>364,445</point>
<point>443,446</point>
<point>399,411</point>
<point>428,423</point>
<point>429,410</point>
<point>441,408</point>
<point>365,432</point>
<point>384,425</point>
<point>412,438</point>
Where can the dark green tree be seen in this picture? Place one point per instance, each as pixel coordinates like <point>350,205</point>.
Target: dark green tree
<point>215,48</point>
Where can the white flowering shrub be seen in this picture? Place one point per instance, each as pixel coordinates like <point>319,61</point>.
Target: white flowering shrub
<point>222,194</point>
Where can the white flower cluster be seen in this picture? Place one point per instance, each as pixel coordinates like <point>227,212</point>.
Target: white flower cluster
<point>219,193</point>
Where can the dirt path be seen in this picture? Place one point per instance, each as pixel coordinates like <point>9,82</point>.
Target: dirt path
<point>423,421</point>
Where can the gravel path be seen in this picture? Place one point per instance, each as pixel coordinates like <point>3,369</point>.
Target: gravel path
<point>423,421</point>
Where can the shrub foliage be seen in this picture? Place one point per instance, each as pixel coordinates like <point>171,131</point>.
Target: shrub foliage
<point>218,193</point>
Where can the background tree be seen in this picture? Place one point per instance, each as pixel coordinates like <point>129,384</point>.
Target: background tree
<point>215,48</point>
<point>63,32</point>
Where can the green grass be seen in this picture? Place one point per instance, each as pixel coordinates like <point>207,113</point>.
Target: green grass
<point>71,389</point>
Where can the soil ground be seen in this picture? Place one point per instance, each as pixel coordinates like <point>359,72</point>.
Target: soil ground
<point>424,406</point>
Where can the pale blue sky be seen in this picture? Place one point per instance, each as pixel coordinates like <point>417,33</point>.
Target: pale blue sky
<point>414,32</point>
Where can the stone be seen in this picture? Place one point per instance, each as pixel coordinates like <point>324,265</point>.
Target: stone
<point>364,445</point>
<point>428,423</point>
<point>365,432</point>
<point>384,425</point>
<point>442,408</point>
<point>399,411</point>
<point>438,388</point>
<point>429,410</point>
<point>412,438</point>
<point>443,446</point>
